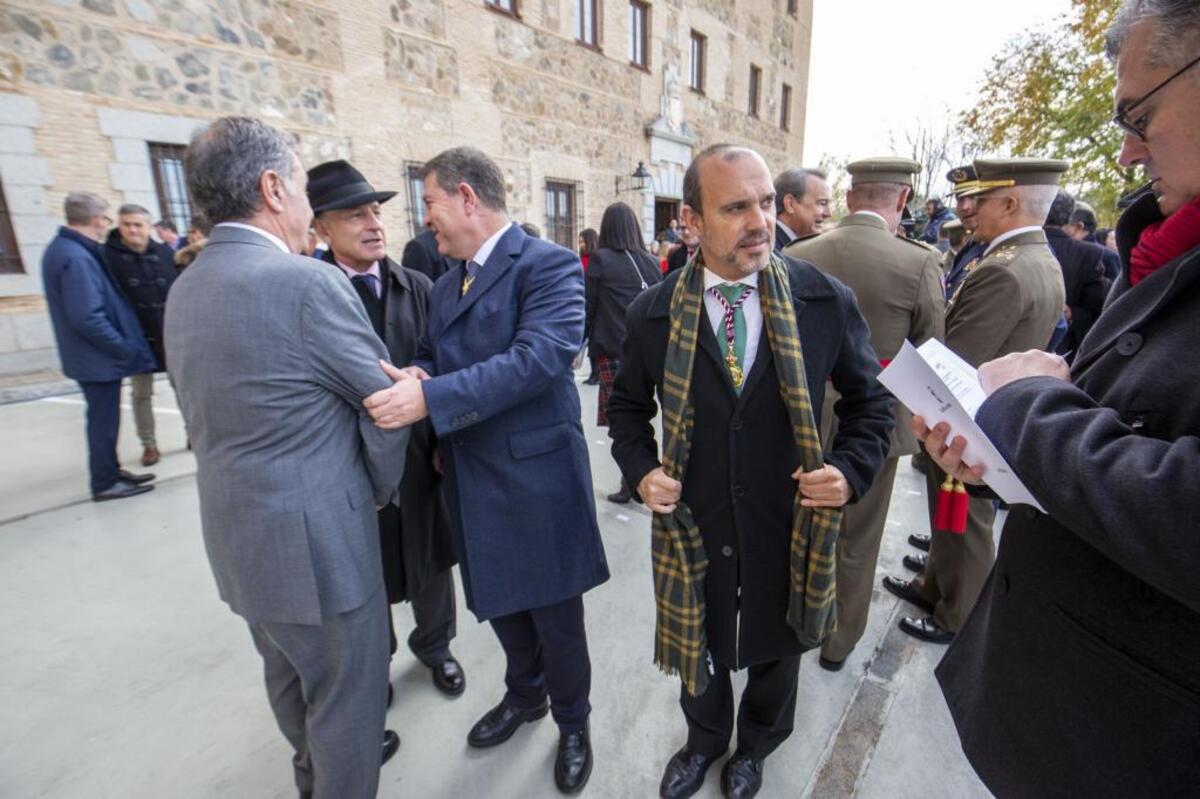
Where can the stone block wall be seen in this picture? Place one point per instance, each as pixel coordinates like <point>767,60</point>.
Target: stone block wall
<point>85,85</point>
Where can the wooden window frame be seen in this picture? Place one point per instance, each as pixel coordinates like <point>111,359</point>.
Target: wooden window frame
<point>10,251</point>
<point>495,5</point>
<point>170,184</point>
<point>597,16</point>
<point>755,93</point>
<point>416,203</point>
<point>644,8</point>
<point>553,224</point>
<point>698,67</point>
<point>785,108</point>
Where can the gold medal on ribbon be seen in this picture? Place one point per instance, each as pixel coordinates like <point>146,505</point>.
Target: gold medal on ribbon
<point>735,370</point>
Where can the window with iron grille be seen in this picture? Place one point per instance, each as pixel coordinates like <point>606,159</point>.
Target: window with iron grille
<point>587,24</point>
<point>166,161</point>
<point>416,199</point>
<point>10,255</point>
<point>506,6</point>
<point>699,52</point>
<point>639,34</point>
<point>785,108</point>
<point>755,89</point>
<point>560,213</point>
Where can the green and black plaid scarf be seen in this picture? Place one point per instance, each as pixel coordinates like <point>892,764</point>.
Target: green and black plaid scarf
<point>681,645</point>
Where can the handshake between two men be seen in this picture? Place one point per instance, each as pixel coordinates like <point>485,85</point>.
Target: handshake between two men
<point>403,403</point>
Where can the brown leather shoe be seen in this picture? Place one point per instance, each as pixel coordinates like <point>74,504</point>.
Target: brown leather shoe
<point>150,456</point>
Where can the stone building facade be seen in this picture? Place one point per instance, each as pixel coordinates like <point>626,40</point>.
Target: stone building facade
<point>99,95</point>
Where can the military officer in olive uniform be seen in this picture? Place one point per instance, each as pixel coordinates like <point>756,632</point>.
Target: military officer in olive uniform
<point>899,289</point>
<point>964,180</point>
<point>1010,301</point>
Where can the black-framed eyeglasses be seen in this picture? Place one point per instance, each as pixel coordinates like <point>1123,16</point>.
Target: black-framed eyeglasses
<point>1137,128</point>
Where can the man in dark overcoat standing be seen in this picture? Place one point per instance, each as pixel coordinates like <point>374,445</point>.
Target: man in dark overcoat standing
<point>494,376</point>
<point>415,538</point>
<point>750,453</point>
<point>1076,673</point>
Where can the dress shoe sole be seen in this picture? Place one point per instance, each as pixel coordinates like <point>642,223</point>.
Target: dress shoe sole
<point>142,489</point>
<point>937,638</point>
<point>909,597</point>
<point>532,715</point>
<point>831,665</point>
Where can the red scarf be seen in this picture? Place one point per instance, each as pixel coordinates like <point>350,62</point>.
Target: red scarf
<point>1165,241</point>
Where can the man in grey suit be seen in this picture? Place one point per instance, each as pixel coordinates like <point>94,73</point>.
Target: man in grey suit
<point>272,355</point>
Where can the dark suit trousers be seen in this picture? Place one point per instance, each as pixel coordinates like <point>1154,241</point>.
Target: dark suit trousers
<point>327,686</point>
<point>103,422</point>
<point>433,604</point>
<point>547,654</point>
<point>766,714</point>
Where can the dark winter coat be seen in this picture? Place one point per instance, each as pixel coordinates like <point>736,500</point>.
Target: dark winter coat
<point>145,277</point>
<point>612,282</point>
<point>1076,674</point>
<point>738,482</point>
<point>1083,278</point>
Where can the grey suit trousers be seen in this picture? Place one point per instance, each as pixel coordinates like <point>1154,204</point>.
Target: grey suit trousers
<point>327,684</point>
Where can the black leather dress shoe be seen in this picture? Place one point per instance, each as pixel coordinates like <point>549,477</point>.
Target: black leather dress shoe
<point>742,776</point>
<point>830,665</point>
<point>916,562</point>
<point>926,629</point>
<point>573,765</point>
<point>136,479</point>
<point>120,490</point>
<point>622,496</point>
<point>904,590</point>
<point>449,678</point>
<point>684,774</point>
<point>920,541</point>
<point>391,742</point>
<point>499,724</point>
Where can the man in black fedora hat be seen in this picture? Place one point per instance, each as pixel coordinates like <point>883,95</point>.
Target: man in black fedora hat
<point>413,529</point>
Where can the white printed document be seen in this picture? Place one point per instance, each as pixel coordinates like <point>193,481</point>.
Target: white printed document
<point>936,384</point>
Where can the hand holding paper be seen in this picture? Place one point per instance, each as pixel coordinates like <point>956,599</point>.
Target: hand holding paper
<point>944,390</point>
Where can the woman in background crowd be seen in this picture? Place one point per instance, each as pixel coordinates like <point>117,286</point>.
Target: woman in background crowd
<point>618,270</point>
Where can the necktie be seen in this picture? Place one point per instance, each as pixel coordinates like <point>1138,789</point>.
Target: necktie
<point>365,287</point>
<point>732,296</point>
<point>472,271</point>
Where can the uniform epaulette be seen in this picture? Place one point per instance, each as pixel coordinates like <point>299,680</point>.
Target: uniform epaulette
<point>921,244</point>
<point>1002,255</point>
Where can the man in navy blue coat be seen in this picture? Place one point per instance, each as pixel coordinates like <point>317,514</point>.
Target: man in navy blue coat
<point>493,373</point>
<point>99,338</point>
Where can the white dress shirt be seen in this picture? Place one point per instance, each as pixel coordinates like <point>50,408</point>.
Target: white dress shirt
<point>751,310</point>
<point>278,242</point>
<point>996,242</point>
<point>485,250</point>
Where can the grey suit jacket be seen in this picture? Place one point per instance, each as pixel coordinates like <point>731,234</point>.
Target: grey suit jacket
<point>272,355</point>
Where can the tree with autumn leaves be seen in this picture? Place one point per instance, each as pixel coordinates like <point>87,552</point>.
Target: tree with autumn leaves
<point>1049,94</point>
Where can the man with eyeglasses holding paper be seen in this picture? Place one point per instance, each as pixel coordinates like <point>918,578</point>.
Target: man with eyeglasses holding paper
<point>1076,672</point>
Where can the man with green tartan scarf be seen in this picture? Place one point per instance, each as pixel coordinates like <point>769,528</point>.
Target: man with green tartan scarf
<point>737,347</point>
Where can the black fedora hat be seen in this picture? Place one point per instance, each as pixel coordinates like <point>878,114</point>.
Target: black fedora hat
<point>336,184</point>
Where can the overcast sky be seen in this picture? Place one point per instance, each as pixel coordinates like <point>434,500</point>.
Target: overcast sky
<point>880,66</point>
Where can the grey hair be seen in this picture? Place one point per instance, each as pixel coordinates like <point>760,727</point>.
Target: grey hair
<point>795,183</point>
<point>81,207</point>
<point>878,195</point>
<point>1176,35</point>
<point>129,209</point>
<point>225,161</point>
<point>1035,200</point>
<point>468,165</point>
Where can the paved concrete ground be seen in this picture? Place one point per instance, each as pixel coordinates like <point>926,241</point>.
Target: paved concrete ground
<point>123,675</point>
